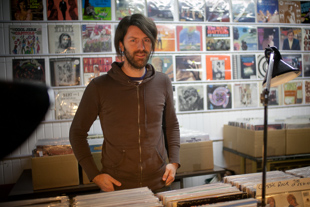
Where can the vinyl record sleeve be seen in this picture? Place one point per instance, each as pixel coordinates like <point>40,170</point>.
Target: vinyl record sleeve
<point>245,95</point>
<point>29,69</point>
<point>305,12</point>
<point>293,92</point>
<point>160,10</point>
<point>267,11</point>
<point>306,39</point>
<point>96,10</point>
<point>306,66</point>
<point>191,10</point>
<point>244,66</point>
<point>218,67</point>
<point>64,38</point>
<point>25,39</point>
<point>189,38</point>
<point>67,102</point>
<point>243,10</point>
<point>128,7</point>
<point>307,92</point>
<point>190,98</point>
<point>62,10</point>
<point>245,38</point>
<point>94,67</point>
<point>65,71</point>
<point>219,96</point>
<point>188,68</point>
<point>289,12</point>
<point>284,38</point>
<point>275,95</point>
<point>96,38</point>
<point>165,38</point>
<point>294,60</point>
<point>267,37</point>
<point>164,64</point>
<point>26,10</point>
<point>217,11</point>
<point>217,38</point>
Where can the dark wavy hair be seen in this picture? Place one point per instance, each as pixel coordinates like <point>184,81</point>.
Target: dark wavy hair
<point>147,26</point>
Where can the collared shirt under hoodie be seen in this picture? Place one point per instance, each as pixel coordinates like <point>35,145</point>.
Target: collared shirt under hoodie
<point>139,123</point>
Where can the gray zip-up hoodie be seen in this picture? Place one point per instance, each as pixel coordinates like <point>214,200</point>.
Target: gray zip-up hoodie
<point>139,126</point>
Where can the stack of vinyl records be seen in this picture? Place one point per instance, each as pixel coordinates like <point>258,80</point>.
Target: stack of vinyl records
<point>201,195</point>
<point>248,182</point>
<point>59,201</point>
<point>137,197</point>
<point>303,172</point>
<point>248,202</point>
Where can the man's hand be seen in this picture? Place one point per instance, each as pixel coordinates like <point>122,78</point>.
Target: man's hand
<point>105,182</point>
<point>170,172</point>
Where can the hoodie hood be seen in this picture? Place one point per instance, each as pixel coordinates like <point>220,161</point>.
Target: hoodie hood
<point>117,73</point>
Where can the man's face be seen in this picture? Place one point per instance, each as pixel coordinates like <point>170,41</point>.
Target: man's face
<point>65,41</point>
<point>137,47</point>
<point>290,36</point>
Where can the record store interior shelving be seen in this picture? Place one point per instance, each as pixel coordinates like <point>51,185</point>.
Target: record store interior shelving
<point>195,111</point>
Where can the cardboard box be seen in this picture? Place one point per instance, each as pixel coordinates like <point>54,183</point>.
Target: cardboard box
<point>97,158</point>
<point>54,171</point>
<point>196,156</point>
<point>297,141</point>
<point>251,142</point>
<point>230,137</point>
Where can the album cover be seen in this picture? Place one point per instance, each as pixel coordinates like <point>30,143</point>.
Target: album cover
<point>190,98</point>
<point>62,10</point>
<point>218,67</point>
<point>306,67</point>
<point>245,95</point>
<point>165,38</point>
<point>305,12</point>
<point>307,92</point>
<point>294,60</point>
<point>286,199</point>
<point>217,11</point>
<point>189,38</point>
<point>217,38</point>
<point>64,38</point>
<point>191,10</point>
<point>245,38</point>
<point>25,39</point>
<point>128,7</point>
<point>306,39</point>
<point>268,11</point>
<point>219,96</point>
<point>96,10</point>
<point>290,12</point>
<point>289,34</point>
<point>243,10</point>
<point>26,10</point>
<point>267,37</point>
<point>244,66</point>
<point>94,67</point>
<point>164,64</point>
<point>29,69</point>
<point>262,66</point>
<point>293,92</point>
<point>65,71</point>
<point>96,38</point>
<point>67,102</point>
<point>160,10</point>
<point>275,95</point>
<point>188,68</point>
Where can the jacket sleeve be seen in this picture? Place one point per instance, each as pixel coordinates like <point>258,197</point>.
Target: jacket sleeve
<point>85,115</point>
<point>171,126</point>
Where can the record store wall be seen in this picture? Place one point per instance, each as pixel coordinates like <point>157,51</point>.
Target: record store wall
<point>213,53</point>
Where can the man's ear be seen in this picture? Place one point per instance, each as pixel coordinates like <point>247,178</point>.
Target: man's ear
<point>121,46</point>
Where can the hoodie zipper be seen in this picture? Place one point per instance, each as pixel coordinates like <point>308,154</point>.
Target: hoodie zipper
<point>139,129</point>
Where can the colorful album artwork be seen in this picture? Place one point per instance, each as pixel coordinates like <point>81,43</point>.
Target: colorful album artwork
<point>245,95</point>
<point>267,37</point>
<point>164,64</point>
<point>293,92</point>
<point>306,39</point>
<point>305,12</point>
<point>95,66</point>
<point>289,12</point>
<point>218,67</point>
<point>268,11</point>
<point>96,38</point>
<point>290,38</point>
<point>26,10</point>
<point>245,38</point>
<point>62,10</point>
<point>219,96</point>
<point>188,68</point>
<point>217,38</point>
<point>189,38</point>
<point>294,60</point>
<point>96,10</point>
<point>127,7</point>
<point>244,66</point>
<point>165,38</point>
<point>29,69</point>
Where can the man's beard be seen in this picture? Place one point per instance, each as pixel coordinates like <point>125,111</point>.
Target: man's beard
<point>136,64</point>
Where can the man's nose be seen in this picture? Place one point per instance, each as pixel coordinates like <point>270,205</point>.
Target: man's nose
<point>141,45</point>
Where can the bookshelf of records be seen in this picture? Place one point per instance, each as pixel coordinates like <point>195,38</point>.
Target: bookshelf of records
<point>213,51</point>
